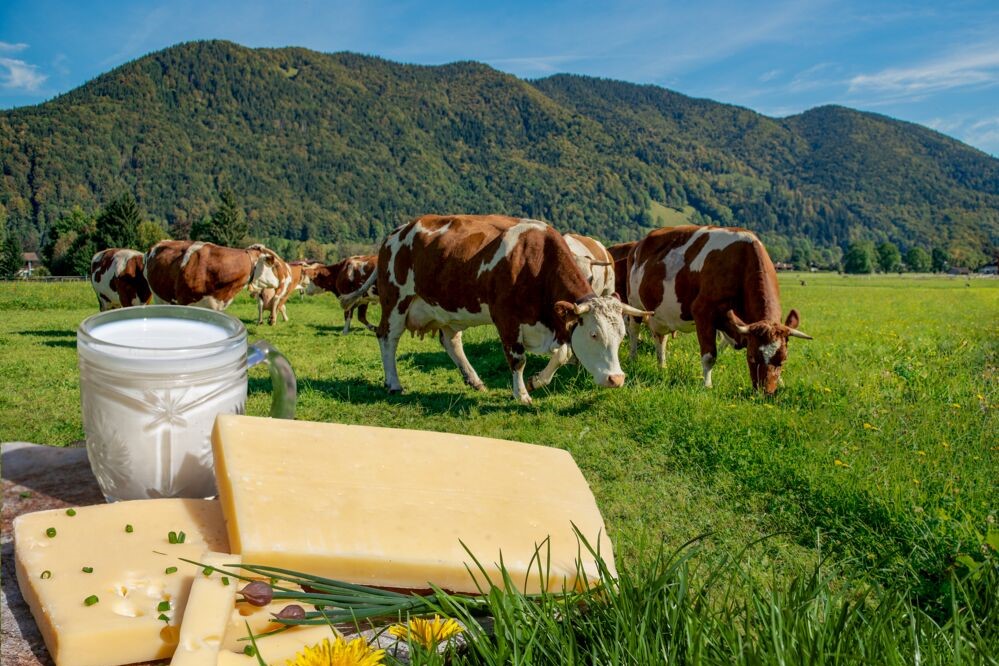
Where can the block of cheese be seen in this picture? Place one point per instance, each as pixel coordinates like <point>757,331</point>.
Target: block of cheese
<point>209,607</point>
<point>258,619</point>
<point>392,508</point>
<point>99,578</point>
<point>279,648</point>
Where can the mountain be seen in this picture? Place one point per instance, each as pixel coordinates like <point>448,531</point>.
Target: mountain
<point>344,147</point>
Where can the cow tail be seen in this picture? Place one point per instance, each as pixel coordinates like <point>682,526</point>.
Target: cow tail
<point>351,299</point>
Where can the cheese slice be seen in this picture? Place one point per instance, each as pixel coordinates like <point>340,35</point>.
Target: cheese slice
<point>209,606</point>
<point>279,648</point>
<point>393,508</point>
<point>131,575</point>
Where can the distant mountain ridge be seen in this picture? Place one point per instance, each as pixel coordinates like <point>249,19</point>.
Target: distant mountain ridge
<point>345,147</point>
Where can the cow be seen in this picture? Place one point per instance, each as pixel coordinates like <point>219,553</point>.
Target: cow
<point>594,261</point>
<point>207,275</point>
<point>291,278</point>
<point>343,278</point>
<point>447,273</point>
<point>117,279</point>
<point>620,253</point>
<point>713,280</point>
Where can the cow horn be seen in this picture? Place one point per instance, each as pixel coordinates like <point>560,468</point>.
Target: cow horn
<point>583,308</point>
<point>795,333</point>
<point>737,323</point>
<point>594,262</point>
<point>634,312</point>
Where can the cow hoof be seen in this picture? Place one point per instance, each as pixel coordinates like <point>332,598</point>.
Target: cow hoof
<point>525,399</point>
<point>479,387</point>
<point>395,391</point>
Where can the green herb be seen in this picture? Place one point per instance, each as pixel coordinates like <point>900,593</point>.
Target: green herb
<point>225,580</point>
<point>50,532</point>
<point>46,575</point>
<point>181,537</point>
<point>172,537</point>
<point>70,512</point>
<point>164,618</point>
<point>88,570</point>
<point>249,650</point>
<point>208,571</point>
<point>25,495</point>
<point>170,570</point>
<point>163,606</point>
<point>91,600</point>
<point>129,529</point>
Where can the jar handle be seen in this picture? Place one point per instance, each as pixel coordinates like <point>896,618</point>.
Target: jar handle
<point>284,388</point>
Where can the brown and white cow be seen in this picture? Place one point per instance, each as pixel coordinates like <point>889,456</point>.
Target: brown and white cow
<point>449,273</point>
<point>291,277</point>
<point>343,278</point>
<point>117,279</point>
<point>594,261</point>
<point>714,280</point>
<point>619,255</point>
<point>207,275</point>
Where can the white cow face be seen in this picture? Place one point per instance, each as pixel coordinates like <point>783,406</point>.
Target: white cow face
<point>597,335</point>
<point>264,275</point>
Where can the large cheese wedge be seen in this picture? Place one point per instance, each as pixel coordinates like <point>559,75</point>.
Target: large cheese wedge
<point>96,581</point>
<point>209,607</point>
<point>393,508</point>
<point>279,648</point>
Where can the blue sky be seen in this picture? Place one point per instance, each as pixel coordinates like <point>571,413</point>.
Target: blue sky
<point>934,63</point>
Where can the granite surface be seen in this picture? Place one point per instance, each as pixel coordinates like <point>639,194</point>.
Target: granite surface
<point>39,477</point>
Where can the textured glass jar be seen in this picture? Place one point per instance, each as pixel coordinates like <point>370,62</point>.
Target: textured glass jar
<point>152,381</point>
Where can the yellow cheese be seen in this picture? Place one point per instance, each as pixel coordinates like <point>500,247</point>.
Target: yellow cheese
<point>257,619</point>
<point>209,607</point>
<point>130,575</point>
<point>392,508</point>
<point>277,649</point>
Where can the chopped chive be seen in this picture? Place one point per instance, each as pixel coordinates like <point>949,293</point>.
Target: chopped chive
<point>225,580</point>
<point>129,529</point>
<point>163,606</point>
<point>164,618</point>
<point>172,537</point>
<point>50,532</point>
<point>88,570</point>
<point>249,651</point>
<point>46,575</point>
<point>25,495</point>
<point>91,600</point>
<point>181,537</point>
<point>208,571</point>
<point>170,570</point>
<point>70,512</point>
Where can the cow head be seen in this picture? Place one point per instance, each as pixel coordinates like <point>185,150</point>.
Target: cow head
<point>265,269</point>
<point>766,347</point>
<point>323,277</point>
<point>597,327</point>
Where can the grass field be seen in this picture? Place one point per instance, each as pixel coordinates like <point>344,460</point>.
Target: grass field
<point>881,450</point>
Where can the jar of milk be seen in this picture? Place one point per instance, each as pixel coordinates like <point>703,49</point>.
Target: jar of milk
<point>152,381</point>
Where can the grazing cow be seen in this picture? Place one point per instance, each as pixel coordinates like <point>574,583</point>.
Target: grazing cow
<point>117,279</point>
<point>208,275</point>
<point>291,277</point>
<point>714,279</point>
<point>448,273</point>
<point>343,278</point>
<point>594,261</point>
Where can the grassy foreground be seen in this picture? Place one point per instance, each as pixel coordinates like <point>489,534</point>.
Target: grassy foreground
<point>880,452</point>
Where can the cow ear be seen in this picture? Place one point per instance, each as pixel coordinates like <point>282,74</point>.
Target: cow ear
<point>792,319</point>
<point>566,311</point>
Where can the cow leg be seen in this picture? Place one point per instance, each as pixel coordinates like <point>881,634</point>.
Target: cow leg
<point>260,311</point>
<point>348,314</point>
<point>661,341</point>
<point>561,356</point>
<point>451,341</point>
<point>634,327</point>
<point>362,316</point>
<point>706,338</point>
<point>391,328</point>
<point>284,311</point>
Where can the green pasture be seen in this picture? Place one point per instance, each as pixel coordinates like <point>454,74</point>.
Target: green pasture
<point>880,452</point>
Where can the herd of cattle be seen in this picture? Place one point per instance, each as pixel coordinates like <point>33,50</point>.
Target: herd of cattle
<point>547,293</point>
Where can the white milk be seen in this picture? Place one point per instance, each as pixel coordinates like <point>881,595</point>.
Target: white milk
<point>151,387</point>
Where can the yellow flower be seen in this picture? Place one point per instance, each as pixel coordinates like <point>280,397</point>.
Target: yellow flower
<point>840,463</point>
<point>955,405</point>
<point>338,653</point>
<point>427,633</point>
<point>868,426</point>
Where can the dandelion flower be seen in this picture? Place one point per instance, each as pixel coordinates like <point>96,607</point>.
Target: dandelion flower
<point>338,653</point>
<point>427,633</point>
<point>920,453</point>
<point>840,463</point>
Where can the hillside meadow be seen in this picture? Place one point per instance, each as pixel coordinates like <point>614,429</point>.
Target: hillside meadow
<point>877,461</point>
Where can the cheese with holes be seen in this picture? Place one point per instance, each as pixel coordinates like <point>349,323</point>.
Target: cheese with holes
<point>404,508</point>
<point>209,606</point>
<point>97,590</point>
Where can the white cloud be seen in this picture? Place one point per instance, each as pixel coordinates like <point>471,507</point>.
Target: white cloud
<point>17,74</point>
<point>767,76</point>
<point>976,66</point>
<point>7,47</point>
